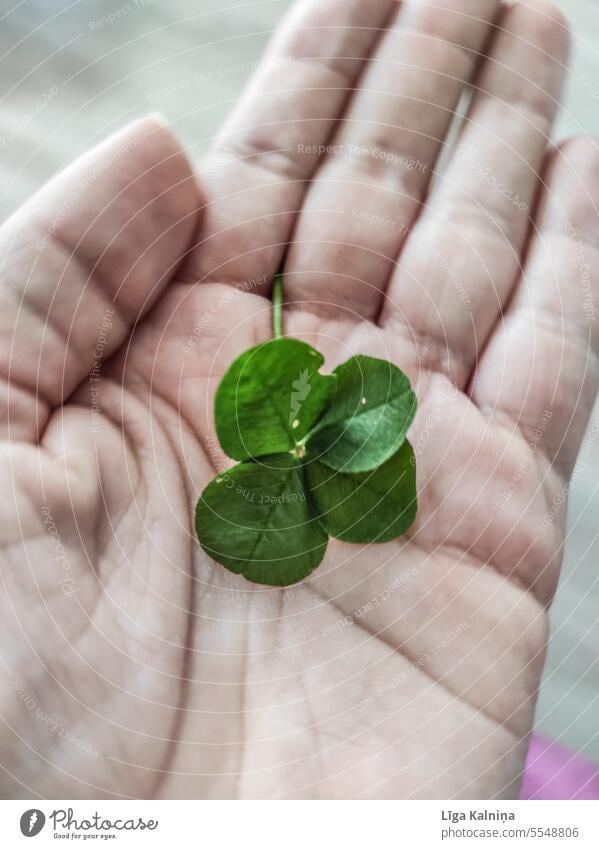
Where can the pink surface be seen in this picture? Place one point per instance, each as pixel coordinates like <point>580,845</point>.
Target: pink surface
<point>554,772</point>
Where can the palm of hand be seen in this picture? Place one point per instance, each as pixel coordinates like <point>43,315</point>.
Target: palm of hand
<point>124,639</point>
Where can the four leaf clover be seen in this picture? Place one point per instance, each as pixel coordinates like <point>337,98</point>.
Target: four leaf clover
<point>319,456</point>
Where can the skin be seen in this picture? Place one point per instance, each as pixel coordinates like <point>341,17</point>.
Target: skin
<point>132,665</point>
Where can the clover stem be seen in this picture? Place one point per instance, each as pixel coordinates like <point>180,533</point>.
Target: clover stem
<point>277,307</point>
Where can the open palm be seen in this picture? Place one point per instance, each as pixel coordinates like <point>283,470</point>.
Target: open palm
<point>132,665</point>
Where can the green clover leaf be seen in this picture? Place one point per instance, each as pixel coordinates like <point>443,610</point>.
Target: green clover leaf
<point>255,519</point>
<point>367,419</point>
<point>375,506</point>
<point>322,455</point>
<point>270,399</point>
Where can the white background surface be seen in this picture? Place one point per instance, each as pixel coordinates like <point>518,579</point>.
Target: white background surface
<point>190,60</point>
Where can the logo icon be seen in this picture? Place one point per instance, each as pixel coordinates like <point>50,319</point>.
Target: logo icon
<point>32,822</point>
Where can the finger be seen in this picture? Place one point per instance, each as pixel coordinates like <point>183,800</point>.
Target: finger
<point>369,190</point>
<point>82,261</point>
<point>256,175</point>
<point>541,364</point>
<point>462,260</point>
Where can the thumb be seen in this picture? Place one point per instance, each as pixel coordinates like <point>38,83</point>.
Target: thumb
<point>82,261</point>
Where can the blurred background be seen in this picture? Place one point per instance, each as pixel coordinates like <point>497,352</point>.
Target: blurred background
<point>71,71</point>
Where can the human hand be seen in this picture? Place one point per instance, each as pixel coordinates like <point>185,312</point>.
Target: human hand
<point>133,665</point>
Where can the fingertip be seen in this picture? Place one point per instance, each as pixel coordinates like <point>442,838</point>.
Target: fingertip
<point>541,23</point>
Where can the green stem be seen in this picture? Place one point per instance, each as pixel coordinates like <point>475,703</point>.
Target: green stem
<point>277,307</point>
